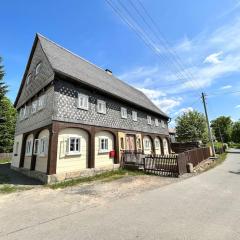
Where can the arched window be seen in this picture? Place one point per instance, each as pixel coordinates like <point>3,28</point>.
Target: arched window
<point>37,70</point>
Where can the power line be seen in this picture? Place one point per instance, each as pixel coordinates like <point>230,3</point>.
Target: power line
<point>140,32</point>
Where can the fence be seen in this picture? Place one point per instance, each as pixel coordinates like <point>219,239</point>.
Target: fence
<point>161,165</point>
<point>5,155</point>
<point>166,165</point>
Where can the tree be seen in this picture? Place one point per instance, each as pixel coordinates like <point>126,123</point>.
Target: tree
<point>7,126</point>
<point>222,125</point>
<point>3,86</point>
<point>236,132</point>
<point>191,126</point>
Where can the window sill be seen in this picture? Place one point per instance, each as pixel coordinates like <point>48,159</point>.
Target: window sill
<point>102,113</point>
<point>73,154</point>
<point>82,108</point>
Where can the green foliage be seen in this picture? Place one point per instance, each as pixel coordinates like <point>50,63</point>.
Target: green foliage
<point>236,132</point>
<point>191,126</point>
<point>222,125</point>
<point>7,126</point>
<point>3,86</point>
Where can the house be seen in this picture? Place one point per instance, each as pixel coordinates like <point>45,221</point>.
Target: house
<point>172,134</point>
<point>75,118</point>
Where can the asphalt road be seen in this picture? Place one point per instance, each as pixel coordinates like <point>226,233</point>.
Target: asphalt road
<point>206,206</point>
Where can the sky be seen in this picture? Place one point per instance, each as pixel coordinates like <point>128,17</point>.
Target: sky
<point>171,50</point>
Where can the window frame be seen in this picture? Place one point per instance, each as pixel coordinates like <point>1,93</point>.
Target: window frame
<point>124,112</point>
<point>106,147</point>
<point>43,142</point>
<point>149,120</point>
<point>157,146</point>
<point>163,124</point>
<point>36,146</point>
<point>37,69</point>
<point>85,98</point>
<point>29,148</point>
<point>146,140</point>
<point>70,152</point>
<point>104,110</point>
<point>35,102</point>
<point>28,79</point>
<point>42,105</point>
<point>134,116</point>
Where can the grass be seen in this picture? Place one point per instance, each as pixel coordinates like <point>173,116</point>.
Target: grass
<point>8,188</point>
<point>5,160</point>
<point>221,159</point>
<point>104,177</point>
<point>235,145</point>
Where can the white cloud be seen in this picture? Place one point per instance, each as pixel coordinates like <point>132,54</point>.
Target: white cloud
<point>152,94</point>
<point>226,87</point>
<point>213,58</point>
<point>183,110</point>
<point>167,104</point>
<point>238,106</point>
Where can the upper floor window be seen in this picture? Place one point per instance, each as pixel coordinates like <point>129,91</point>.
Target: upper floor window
<point>123,112</point>
<point>156,122</point>
<point>28,151</point>
<point>149,120</point>
<point>73,146</point>
<point>103,144</point>
<point>41,102</point>
<point>29,78</point>
<point>34,106</point>
<point>134,116</point>
<point>37,70</point>
<point>163,124</point>
<point>23,113</point>
<point>83,101</point>
<point>101,107</point>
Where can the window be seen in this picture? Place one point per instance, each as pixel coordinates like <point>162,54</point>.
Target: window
<point>147,144</point>
<point>83,101</point>
<point>156,122</point>
<point>134,116</point>
<point>103,144</point>
<point>101,106</point>
<point>23,113</point>
<point>41,102</point>
<point>36,147</point>
<point>163,124</point>
<point>149,120</point>
<point>34,107</point>
<point>73,146</point>
<point>123,112</point>
<point>157,144</point>
<point>29,78</point>
<point>16,149</point>
<point>28,151</point>
<point>43,146</point>
<point>37,70</point>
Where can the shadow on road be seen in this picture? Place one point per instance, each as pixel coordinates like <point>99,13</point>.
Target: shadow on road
<point>9,176</point>
<point>235,172</point>
<point>233,150</point>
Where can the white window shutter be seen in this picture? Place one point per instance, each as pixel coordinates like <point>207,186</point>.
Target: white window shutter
<point>67,145</point>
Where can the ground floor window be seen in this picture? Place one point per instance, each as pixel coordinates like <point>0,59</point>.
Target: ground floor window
<point>103,144</point>
<point>73,146</point>
<point>147,143</point>
<point>28,148</point>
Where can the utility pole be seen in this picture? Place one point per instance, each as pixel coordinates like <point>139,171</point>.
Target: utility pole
<point>209,129</point>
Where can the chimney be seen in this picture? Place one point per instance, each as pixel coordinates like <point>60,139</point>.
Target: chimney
<point>108,71</point>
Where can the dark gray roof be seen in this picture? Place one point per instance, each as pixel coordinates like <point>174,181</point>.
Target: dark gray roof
<point>66,62</point>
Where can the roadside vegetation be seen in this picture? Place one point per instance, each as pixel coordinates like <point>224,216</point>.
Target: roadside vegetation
<point>5,160</point>
<point>9,188</point>
<point>104,177</point>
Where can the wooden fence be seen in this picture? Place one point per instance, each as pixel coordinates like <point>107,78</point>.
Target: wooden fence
<point>165,165</point>
<point>5,155</point>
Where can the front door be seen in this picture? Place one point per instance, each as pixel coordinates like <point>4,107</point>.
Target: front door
<point>130,142</point>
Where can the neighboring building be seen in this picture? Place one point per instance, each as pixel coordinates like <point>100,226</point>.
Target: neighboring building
<point>172,134</point>
<point>75,117</point>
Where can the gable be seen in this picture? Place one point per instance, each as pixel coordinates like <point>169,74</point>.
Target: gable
<point>37,82</point>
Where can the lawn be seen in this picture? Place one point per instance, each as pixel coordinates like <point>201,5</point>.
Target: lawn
<point>104,177</point>
<point>5,160</point>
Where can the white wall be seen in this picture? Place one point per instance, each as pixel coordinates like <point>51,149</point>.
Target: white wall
<point>103,159</point>
<point>16,155</point>
<point>157,149</point>
<point>71,163</point>
<point>27,159</point>
<point>147,150</point>
<point>41,161</point>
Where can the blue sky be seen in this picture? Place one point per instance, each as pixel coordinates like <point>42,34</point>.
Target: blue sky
<point>202,35</point>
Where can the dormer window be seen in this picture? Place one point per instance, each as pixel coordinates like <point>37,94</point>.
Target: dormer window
<point>29,78</point>
<point>37,70</point>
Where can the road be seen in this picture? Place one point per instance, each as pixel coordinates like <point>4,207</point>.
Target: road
<point>206,206</point>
